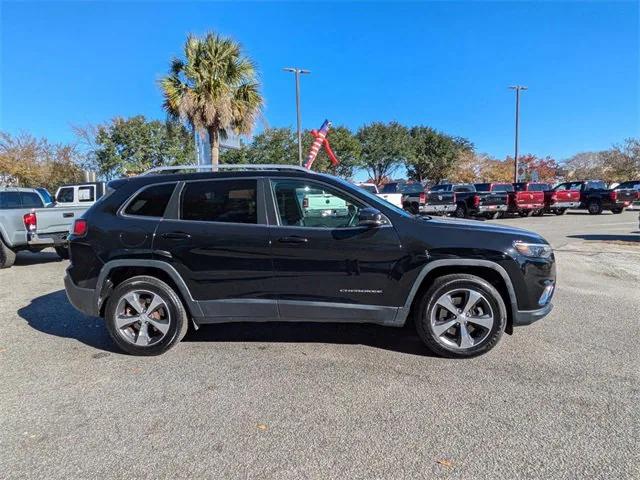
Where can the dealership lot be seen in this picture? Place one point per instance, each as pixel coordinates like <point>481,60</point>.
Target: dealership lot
<point>559,399</point>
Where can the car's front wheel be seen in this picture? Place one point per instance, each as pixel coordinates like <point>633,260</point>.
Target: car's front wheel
<point>145,316</point>
<point>461,316</point>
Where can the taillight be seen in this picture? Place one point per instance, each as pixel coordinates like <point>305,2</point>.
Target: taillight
<point>638,194</point>
<point>30,221</point>
<point>613,195</point>
<point>80,227</point>
<point>423,197</point>
<point>305,202</point>
<point>454,197</point>
<point>554,197</point>
<point>476,201</point>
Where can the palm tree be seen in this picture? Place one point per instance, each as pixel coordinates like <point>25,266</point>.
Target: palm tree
<point>214,89</point>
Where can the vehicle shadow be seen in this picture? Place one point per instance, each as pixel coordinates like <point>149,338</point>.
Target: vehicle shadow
<point>401,340</point>
<point>31,258</point>
<point>54,315</point>
<point>607,238</point>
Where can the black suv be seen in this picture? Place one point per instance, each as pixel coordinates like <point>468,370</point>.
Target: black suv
<point>274,243</point>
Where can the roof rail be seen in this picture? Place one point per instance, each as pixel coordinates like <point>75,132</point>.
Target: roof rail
<point>225,166</point>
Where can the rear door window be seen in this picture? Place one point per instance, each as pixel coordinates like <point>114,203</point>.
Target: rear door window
<point>31,200</point>
<point>151,202</point>
<point>503,188</point>
<point>227,201</point>
<point>87,194</point>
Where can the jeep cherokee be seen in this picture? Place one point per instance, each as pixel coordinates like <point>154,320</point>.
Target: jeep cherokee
<point>242,244</point>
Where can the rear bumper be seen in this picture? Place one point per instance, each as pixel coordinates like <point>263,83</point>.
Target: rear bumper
<point>437,208</point>
<point>558,205</point>
<point>492,208</point>
<point>47,239</point>
<point>529,206</point>
<point>82,299</point>
<point>527,317</point>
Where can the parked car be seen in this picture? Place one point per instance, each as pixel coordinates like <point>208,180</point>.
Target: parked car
<point>631,185</point>
<point>82,194</point>
<point>557,200</point>
<point>471,203</point>
<point>27,224</point>
<point>528,198</point>
<point>596,197</point>
<point>395,198</point>
<point>237,245</point>
<point>521,202</point>
<point>396,193</point>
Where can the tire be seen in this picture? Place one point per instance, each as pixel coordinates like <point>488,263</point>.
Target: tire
<point>561,211</point>
<point>461,211</point>
<point>128,337</point>
<point>617,211</point>
<point>449,343</point>
<point>539,213</point>
<point>414,209</point>
<point>7,256</point>
<point>594,206</point>
<point>63,252</point>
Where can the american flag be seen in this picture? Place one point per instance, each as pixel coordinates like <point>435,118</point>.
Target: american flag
<point>317,143</point>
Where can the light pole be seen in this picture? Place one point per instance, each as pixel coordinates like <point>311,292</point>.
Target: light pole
<point>297,72</point>
<point>517,88</point>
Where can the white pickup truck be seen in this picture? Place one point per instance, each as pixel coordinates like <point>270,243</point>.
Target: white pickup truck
<point>27,224</point>
<point>391,197</point>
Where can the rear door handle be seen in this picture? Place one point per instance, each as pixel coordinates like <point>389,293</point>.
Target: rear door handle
<point>176,236</point>
<point>293,239</point>
<point>67,215</point>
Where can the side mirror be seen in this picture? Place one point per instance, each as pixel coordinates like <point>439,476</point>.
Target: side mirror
<point>370,217</point>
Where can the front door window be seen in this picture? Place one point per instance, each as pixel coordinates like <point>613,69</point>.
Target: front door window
<point>307,204</point>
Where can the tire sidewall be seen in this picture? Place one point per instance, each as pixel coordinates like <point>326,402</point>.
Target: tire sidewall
<point>174,305</point>
<point>463,281</point>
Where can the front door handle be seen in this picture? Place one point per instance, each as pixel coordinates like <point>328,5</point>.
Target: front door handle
<point>293,239</point>
<point>176,236</point>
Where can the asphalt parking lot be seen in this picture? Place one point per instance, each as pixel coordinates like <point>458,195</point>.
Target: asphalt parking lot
<point>559,399</point>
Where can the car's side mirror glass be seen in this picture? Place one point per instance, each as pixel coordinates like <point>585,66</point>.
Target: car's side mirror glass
<point>370,217</point>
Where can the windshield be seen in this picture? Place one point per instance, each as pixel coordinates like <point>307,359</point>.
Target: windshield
<point>502,187</point>
<point>412,188</point>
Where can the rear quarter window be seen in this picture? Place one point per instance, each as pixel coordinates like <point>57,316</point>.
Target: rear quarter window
<point>31,200</point>
<point>150,202</point>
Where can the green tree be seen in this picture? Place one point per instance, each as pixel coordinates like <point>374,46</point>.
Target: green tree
<point>31,162</point>
<point>134,145</point>
<point>384,148</point>
<point>433,155</point>
<point>345,146</point>
<point>214,88</point>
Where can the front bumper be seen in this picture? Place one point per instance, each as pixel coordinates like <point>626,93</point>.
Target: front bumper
<point>82,299</point>
<point>527,317</point>
<point>437,208</point>
<point>492,208</point>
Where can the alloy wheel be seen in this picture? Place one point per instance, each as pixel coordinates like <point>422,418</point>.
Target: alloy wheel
<point>142,317</point>
<point>462,318</point>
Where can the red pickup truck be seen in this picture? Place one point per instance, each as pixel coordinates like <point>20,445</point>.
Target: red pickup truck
<point>558,200</point>
<point>525,198</point>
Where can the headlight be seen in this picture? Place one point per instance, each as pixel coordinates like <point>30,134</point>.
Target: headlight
<point>536,250</point>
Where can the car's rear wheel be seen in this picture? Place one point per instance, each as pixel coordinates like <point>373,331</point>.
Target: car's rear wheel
<point>594,207</point>
<point>560,211</point>
<point>461,211</point>
<point>617,210</point>
<point>145,316</point>
<point>7,256</point>
<point>461,316</point>
<point>63,252</point>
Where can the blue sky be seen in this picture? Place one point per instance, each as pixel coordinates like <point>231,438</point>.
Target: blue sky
<point>443,64</point>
